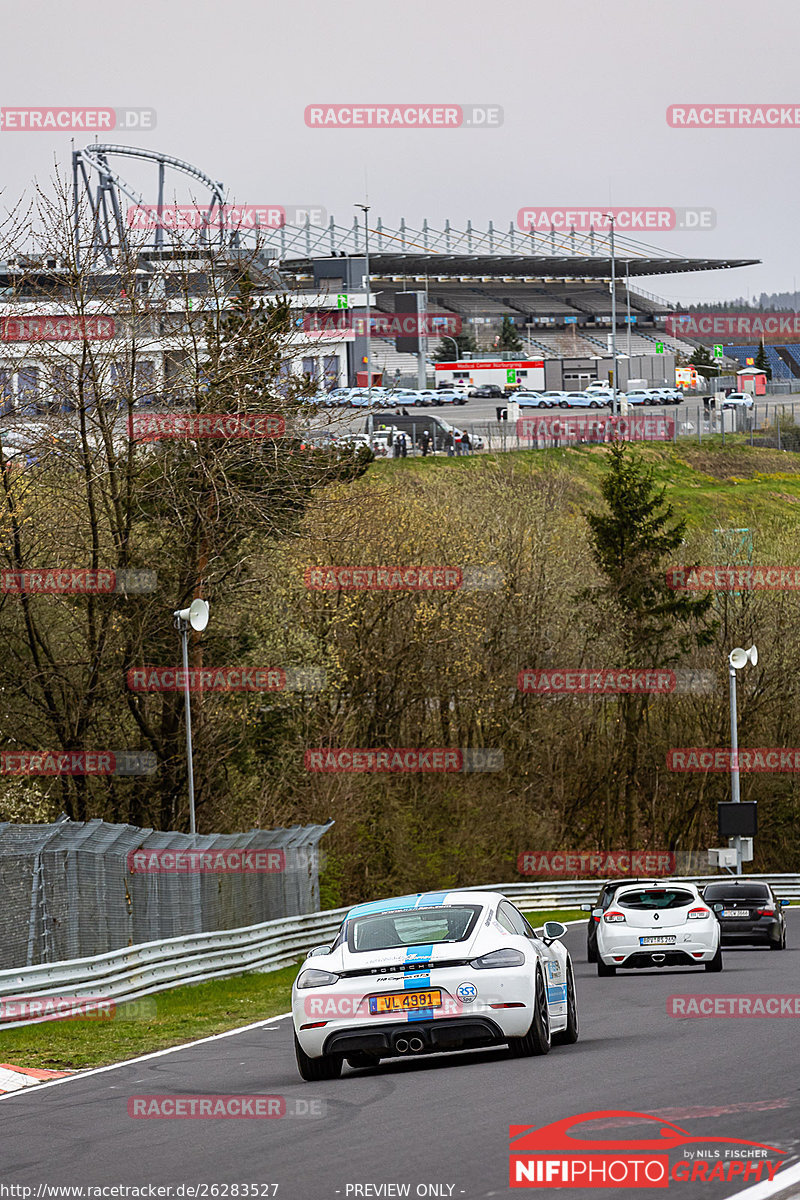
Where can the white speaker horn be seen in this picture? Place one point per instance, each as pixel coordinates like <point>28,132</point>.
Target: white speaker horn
<point>752,654</point>
<point>196,615</point>
<point>738,658</point>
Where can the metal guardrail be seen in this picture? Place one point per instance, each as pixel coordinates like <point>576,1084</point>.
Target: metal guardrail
<point>137,971</point>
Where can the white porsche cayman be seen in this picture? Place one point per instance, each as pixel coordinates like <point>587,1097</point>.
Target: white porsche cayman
<point>428,973</point>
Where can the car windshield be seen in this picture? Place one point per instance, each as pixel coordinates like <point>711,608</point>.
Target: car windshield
<point>411,927</point>
<point>655,898</point>
<point>728,891</point>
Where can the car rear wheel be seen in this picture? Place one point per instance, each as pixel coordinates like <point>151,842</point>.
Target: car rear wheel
<point>568,1036</point>
<point>563,404</point>
<point>537,1040</point>
<point>328,1066</point>
<point>591,951</point>
<point>603,969</point>
<point>594,404</point>
<point>716,962</point>
<point>781,945</point>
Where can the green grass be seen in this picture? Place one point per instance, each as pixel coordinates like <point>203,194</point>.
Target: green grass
<point>167,1019</point>
<point>153,1023</point>
<point>539,916</point>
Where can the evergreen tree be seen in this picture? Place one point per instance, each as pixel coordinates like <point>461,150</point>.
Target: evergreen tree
<point>761,360</point>
<point>466,345</point>
<point>508,338</point>
<point>633,542</point>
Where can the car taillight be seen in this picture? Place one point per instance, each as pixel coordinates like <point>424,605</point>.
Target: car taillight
<point>766,912</point>
<point>698,914</point>
<point>613,917</point>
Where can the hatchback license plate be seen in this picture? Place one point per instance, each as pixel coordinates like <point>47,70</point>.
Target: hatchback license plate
<point>405,1001</point>
<point>663,940</point>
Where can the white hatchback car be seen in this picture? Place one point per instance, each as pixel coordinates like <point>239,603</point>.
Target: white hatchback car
<point>738,400</point>
<point>657,925</point>
<point>429,973</point>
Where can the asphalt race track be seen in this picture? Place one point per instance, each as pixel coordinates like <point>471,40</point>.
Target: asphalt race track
<point>440,1120</point>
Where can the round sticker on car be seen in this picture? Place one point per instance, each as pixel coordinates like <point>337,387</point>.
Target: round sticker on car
<point>467,992</point>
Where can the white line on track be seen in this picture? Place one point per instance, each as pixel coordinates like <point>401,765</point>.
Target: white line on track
<point>774,1188</point>
<point>214,1037</point>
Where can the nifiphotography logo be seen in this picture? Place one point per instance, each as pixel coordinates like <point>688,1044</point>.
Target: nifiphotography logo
<point>552,1156</point>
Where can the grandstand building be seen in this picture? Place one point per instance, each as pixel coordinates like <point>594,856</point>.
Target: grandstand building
<point>555,291</point>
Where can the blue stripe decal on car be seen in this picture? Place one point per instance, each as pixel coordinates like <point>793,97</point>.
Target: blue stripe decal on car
<point>417,980</point>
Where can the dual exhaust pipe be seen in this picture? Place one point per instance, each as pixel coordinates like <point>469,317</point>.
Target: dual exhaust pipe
<point>411,1045</point>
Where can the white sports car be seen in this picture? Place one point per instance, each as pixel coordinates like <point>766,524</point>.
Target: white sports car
<point>665,924</point>
<point>432,972</point>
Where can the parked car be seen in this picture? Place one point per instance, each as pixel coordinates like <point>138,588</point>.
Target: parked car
<point>748,913</point>
<point>584,400</point>
<point>486,390</point>
<point>413,425</point>
<point>639,396</point>
<point>532,400</point>
<point>598,386</point>
<point>670,395</point>
<point>444,396</point>
<point>555,397</point>
<point>738,400</point>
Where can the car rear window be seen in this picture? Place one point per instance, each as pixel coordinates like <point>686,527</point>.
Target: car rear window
<point>727,891</point>
<point>656,898</point>
<point>411,927</point>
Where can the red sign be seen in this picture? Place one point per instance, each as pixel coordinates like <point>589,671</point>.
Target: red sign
<point>493,365</point>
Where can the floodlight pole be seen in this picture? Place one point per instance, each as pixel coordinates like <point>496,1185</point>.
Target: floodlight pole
<point>613,320</point>
<point>365,209</point>
<point>183,630</point>
<point>735,796</point>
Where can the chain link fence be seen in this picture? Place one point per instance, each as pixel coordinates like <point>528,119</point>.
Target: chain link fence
<point>72,890</point>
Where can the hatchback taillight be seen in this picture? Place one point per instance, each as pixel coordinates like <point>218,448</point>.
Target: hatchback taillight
<point>613,917</point>
<point>698,914</point>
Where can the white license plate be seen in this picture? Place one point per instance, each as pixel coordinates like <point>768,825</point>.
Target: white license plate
<point>735,912</point>
<point>662,940</point>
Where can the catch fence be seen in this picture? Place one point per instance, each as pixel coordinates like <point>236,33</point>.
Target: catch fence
<point>73,890</point>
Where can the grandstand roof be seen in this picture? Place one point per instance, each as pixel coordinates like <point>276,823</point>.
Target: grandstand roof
<point>524,265</point>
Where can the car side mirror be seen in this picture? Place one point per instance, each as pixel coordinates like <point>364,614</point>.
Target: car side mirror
<point>318,950</point>
<point>587,907</point>
<point>597,912</point>
<point>554,930</point>
<point>784,903</point>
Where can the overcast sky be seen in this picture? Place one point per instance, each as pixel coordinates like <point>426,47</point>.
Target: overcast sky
<point>584,87</point>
